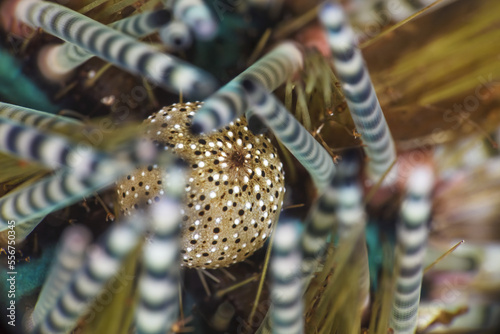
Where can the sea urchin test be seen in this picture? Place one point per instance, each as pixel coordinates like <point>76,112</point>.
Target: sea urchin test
<point>234,189</point>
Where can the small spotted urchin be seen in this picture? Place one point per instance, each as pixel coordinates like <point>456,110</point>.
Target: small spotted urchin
<point>234,191</point>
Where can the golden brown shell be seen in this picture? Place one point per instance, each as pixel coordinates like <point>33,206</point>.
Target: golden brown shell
<point>234,190</point>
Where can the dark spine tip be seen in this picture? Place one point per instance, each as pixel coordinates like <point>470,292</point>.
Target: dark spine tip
<point>249,85</point>
<point>161,17</point>
<point>196,128</point>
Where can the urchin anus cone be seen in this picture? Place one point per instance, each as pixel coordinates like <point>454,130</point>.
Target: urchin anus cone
<point>234,188</point>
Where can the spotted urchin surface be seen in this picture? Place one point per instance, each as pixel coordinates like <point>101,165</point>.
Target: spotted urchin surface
<point>234,190</point>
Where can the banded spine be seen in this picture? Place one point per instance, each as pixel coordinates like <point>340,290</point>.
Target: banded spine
<point>286,287</point>
<point>351,219</point>
<point>102,263</point>
<point>38,119</point>
<point>319,225</point>
<point>197,16</point>
<point>359,92</point>
<point>51,150</point>
<point>176,36</point>
<point>158,287</point>
<point>411,247</point>
<point>142,24</point>
<point>115,47</point>
<point>63,58</point>
<point>291,133</point>
<point>70,256</point>
<point>229,102</point>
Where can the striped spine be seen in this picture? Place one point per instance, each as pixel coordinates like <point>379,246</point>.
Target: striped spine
<point>101,265</point>
<point>351,219</point>
<point>158,287</point>
<point>286,287</point>
<point>38,119</point>
<point>43,197</point>
<point>411,248</point>
<point>115,47</point>
<point>142,24</point>
<point>176,36</point>
<point>229,102</point>
<point>292,134</point>
<point>70,256</point>
<point>359,92</point>
<point>319,226</point>
<point>64,188</point>
<point>51,150</point>
<point>65,57</point>
<point>197,16</point>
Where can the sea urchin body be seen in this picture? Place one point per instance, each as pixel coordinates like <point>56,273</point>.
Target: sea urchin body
<point>234,189</point>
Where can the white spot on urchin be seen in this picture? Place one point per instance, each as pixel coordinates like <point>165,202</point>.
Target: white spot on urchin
<point>212,194</point>
<point>180,145</point>
<point>193,146</point>
<point>201,164</point>
<point>196,236</point>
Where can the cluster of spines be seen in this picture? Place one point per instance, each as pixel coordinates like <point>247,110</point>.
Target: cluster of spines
<point>286,289</point>
<point>115,47</point>
<point>70,256</point>
<point>102,263</point>
<point>67,186</point>
<point>230,102</point>
<point>291,133</point>
<point>49,149</point>
<point>410,252</point>
<point>359,91</point>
